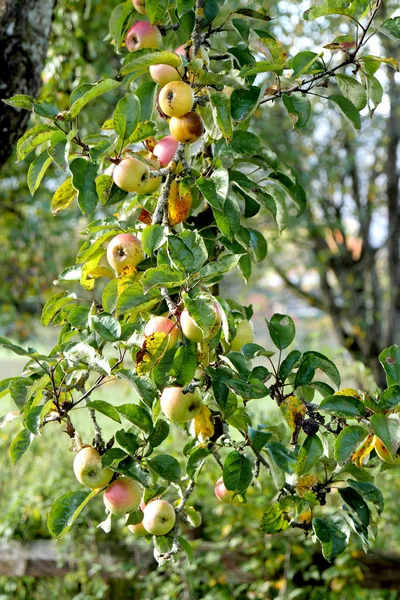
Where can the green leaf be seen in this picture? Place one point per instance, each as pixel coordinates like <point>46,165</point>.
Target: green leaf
<point>37,170</point>
<point>105,408</point>
<point>165,466</point>
<point>16,349</point>
<point>333,533</point>
<point>20,445</point>
<point>281,456</point>
<point>348,110</point>
<point>282,330</point>
<point>151,57</point>
<point>309,454</point>
<point>133,297</point>
<point>237,472</point>
<point>374,89</point>
<point>348,442</point>
<point>63,197</point>
<point>251,389</point>
<point>390,361</point>
<point>306,62</point>
<point>223,265</point>
<point>130,467</point>
<point>18,389</point>
<point>299,109</point>
<point>326,366</point>
<point>370,493</point>
<point>137,415</point>
<point>242,144</point>
<point>389,399</point>
<point>32,138</point>
<point>66,510</point>
<point>129,442</point>
<point>184,366</point>
<point>156,9</point>
<point>196,461</point>
<point>153,237</point>
<point>355,501</point>
<point>107,326</point>
<point>126,116</point>
<point>258,438</point>
<point>84,175</point>
<point>86,92</point>
<point>391,28</point>
<point>54,305</point>
<point>201,309</point>
<point>187,251</point>
<point>162,276</point>
<point>352,8</point>
<point>346,407</point>
<point>288,364</point>
<point>244,102</point>
<point>82,353</point>
<point>20,101</point>
<point>273,519</point>
<point>221,107</point>
<point>353,90</point>
<point>159,434</point>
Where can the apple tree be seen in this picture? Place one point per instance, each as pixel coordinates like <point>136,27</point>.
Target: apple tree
<point>170,186</point>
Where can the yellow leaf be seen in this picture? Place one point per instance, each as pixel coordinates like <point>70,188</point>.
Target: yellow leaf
<point>63,197</point>
<point>293,411</point>
<point>203,424</point>
<point>152,351</point>
<point>305,483</point>
<point>101,272</point>
<point>178,206</point>
<point>364,451</point>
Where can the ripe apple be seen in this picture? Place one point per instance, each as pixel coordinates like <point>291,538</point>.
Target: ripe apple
<point>88,469</point>
<point>140,6</point>
<point>163,325</point>
<point>122,496</point>
<point>143,35</point>
<point>222,493</point>
<point>124,250</point>
<point>189,328</point>
<point>244,335</point>
<point>384,453</point>
<point>165,150</point>
<point>180,407</point>
<point>176,99</point>
<point>188,128</point>
<point>131,175</point>
<point>159,517</point>
<point>163,74</point>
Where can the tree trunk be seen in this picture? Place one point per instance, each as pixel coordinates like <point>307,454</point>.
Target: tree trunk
<point>25,27</point>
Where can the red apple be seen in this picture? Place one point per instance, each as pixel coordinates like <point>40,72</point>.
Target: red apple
<point>165,150</point>
<point>124,250</point>
<point>176,98</point>
<point>122,496</point>
<point>224,495</point>
<point>143,35</point>
<point>163,325</point>
<point>188,128</point>
<point>140,6</point>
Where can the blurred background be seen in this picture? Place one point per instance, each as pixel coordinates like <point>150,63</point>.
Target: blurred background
<point>335,270</point>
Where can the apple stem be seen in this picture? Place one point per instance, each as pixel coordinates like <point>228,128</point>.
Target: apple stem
<point>189,389</point>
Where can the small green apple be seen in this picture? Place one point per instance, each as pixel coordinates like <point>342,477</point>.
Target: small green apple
<point>88,469</point>
<point>159,517</point>
<point>244,335</point>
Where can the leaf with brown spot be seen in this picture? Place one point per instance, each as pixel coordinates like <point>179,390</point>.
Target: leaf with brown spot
<point>178,206</point>
<point>152,351</point>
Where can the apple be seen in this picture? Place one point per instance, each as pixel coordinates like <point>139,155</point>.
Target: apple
<point>122,496</point>
<point>124,250</point>
<point>180,407</point>
<point>176,99</point>
<point>151,185</point>
<point>189,328</point>
<point>143,35</point>
<point>222,493</point>
<point>140,6</point>
<point>163,325</point>
<point>384,453</point>
<point>131,175</point>
<point>244,335</point>
<point>138,529</point>
<point>163,74</point>
<point>165,150</point>
<point>188,128</point>
<point>88,469</point>
<point>159,517</point>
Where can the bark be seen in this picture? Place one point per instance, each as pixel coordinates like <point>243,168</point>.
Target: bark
<point>25,27</point>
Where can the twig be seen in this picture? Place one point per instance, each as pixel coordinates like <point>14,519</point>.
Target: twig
<point>197,36</point>
<point>98,441</point>
<point>161,212</point>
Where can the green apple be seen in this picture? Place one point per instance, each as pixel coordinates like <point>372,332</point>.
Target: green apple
<point>88,469</point>
<point>244,335</point>
<point>131,175</point>
<point>159,517</point>
<point>180,407</point>
<point>176,99</point>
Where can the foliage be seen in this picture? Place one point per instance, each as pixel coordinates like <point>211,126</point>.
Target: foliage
<point>232,175</point>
